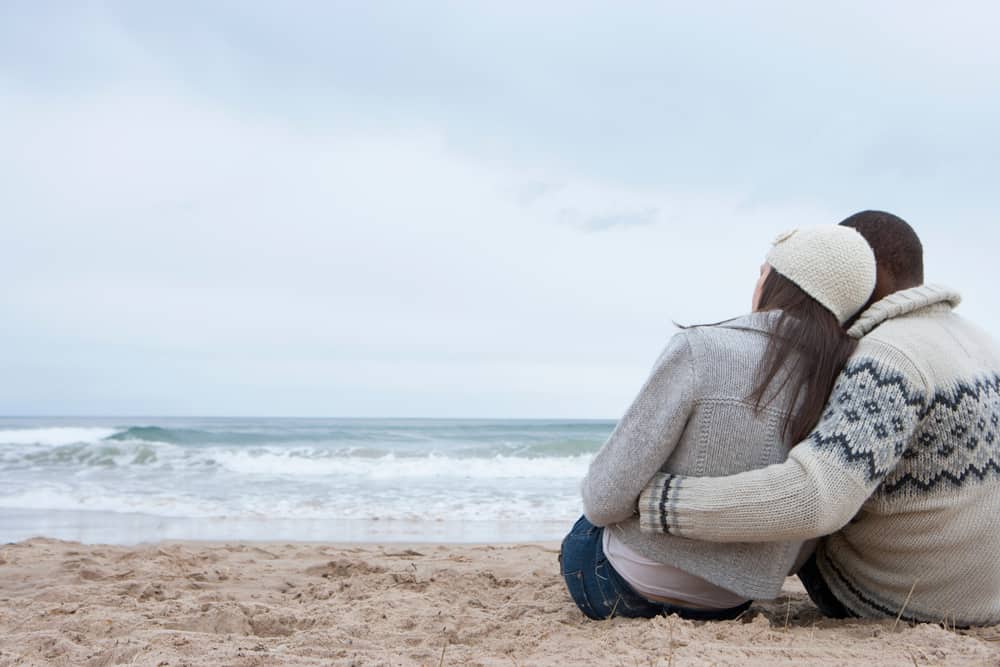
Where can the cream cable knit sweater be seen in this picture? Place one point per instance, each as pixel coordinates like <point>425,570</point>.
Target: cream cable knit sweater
<point>902,473</point>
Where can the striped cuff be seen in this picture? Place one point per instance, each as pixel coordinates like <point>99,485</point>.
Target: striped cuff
<point>654,504</point>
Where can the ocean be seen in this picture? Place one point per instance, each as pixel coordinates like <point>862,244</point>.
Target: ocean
<point>130,480</point>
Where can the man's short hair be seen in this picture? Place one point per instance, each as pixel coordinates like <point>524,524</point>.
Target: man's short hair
<point>898,251</point>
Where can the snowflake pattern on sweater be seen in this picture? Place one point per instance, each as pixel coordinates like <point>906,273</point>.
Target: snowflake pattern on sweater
<point>958,441</point>
<point>870,419</point>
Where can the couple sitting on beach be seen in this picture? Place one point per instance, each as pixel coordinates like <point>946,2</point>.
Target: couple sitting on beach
<point>852,405</point>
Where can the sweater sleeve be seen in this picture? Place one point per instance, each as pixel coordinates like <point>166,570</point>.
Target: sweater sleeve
<point>873,412</point>
<point>644,437</point>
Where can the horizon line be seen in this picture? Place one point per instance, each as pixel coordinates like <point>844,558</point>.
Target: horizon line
<point>195,416</point>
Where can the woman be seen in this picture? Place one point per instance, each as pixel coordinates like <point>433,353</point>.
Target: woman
<point>721,399</point>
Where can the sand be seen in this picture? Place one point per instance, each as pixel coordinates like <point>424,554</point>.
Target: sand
<point>190,603</point>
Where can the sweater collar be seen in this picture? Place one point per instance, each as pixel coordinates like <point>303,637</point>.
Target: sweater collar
<point>762,321</point>
<point>904,302</point>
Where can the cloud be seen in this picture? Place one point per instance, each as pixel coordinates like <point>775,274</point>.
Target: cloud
<point>530,192</point>
<point>606,221</point>
<point>325,212</point>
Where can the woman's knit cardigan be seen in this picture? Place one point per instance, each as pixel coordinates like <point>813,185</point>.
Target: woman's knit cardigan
<point>693,417</point>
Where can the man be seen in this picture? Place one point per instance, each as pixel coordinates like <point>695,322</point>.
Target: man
<point>901,474</point>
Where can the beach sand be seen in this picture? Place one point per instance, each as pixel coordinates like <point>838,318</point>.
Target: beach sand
<point>193,603</point>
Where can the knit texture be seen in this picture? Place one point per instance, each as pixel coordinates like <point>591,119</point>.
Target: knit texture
<point>832,264</point>
<point>902,473</point>
<point>692,417</point>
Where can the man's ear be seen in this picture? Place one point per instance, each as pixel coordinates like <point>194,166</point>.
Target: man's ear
<point>885,284</point>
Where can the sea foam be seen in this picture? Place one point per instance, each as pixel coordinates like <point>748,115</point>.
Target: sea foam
<point>54,436</point>
<point>266,470</point>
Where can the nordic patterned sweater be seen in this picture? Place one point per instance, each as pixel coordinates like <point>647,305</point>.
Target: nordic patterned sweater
<point>902,473</point>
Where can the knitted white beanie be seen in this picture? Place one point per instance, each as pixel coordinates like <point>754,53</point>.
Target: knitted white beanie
<point>832,264</point>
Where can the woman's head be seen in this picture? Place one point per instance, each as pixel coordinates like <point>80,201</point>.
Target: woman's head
<point>817,278</point>
<point>834,265</point>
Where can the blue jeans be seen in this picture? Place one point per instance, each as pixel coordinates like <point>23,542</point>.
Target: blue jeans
<point>601,593</point>
<point>819,591</point>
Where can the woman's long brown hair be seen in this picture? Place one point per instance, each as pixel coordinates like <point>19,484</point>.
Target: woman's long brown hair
<point>807,350</point>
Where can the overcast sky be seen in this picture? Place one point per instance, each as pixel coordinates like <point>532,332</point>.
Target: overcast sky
<point>454,209</point>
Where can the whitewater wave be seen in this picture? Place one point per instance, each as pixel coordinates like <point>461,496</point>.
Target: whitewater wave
<point>456,438</point>
<point>159,434</point>
<point>391,466</point>
<point>260,469</point>
<point>302,462</point>
<point>305,434</point>
<point>423,505</point>
<point>96,499</point>
<point>54,436</point>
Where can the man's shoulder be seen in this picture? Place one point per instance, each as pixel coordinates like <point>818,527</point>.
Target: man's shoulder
<point>940,346</point>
